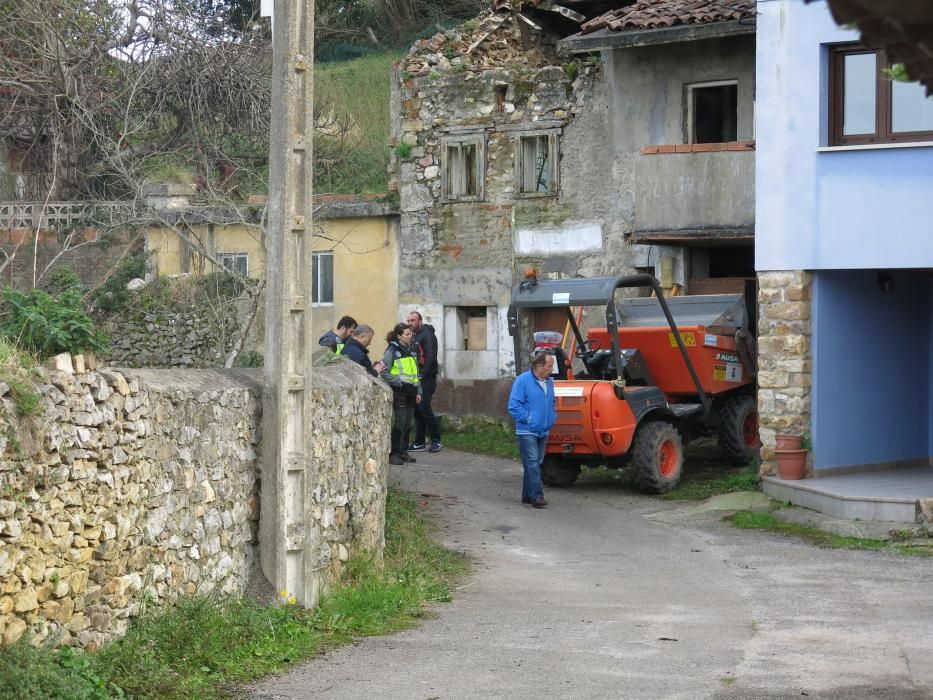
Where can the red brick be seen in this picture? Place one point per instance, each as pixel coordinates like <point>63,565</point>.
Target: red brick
<point>646,150</point>
<point>666,149</point>
<point>682,148</point>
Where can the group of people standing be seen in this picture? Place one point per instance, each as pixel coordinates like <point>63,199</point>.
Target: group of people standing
<point>409,366</point>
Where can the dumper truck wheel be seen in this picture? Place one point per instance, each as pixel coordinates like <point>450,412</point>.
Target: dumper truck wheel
<point>738,429</point>
<point>657,456</point>
<point>558,472</point>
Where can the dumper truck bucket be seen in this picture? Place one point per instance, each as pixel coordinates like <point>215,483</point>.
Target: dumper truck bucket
<point>721,313</point>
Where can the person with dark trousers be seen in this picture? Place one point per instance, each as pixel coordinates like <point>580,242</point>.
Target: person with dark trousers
<point>401,373</point>
<point>533,406</point>
<point>357,349</point>
<point>425,349</point>
<point>335,340</point>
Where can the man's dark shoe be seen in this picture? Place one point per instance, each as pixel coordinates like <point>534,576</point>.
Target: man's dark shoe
<point>396,460</point>
<point>417,447</point>
<point>540,503</point>
<point>435,446</point>
<point>407,457</point>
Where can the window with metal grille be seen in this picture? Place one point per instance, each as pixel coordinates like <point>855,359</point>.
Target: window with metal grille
<point>322,278</point>
<point>237,263</point>
<point>536,164</point>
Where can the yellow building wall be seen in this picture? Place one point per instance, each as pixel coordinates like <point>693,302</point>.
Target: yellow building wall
<point>166,248</point>
<point>366,261</point>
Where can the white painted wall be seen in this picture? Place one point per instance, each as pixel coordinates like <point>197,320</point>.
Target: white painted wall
<point>577,238</point>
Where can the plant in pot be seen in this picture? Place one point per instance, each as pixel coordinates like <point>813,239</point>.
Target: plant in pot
<point>792,462</point>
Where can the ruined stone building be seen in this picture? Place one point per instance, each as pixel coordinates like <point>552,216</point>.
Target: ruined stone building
<point>591,142</point>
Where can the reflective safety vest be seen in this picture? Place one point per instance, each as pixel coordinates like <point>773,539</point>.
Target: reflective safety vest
<point>338,348</point>
<point>406,369</point>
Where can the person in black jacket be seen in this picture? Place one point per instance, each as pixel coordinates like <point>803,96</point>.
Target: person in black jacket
<point>357,349</point>
<point>335,339</point>
<point>425,350</point>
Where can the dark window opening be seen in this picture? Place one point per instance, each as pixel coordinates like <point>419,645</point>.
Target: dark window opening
<point>500,92</point>
<point>732,262</point>
<point>714,112</point>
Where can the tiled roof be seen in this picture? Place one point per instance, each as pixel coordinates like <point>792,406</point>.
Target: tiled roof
<point>655,14</point>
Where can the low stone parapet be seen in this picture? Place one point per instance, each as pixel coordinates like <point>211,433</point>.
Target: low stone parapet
<point>134,487</point>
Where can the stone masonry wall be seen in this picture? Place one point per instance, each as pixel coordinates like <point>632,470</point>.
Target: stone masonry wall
<point>784,357</point>
<point>171,339</point>
<point>134,487</point>
<point>470,253</point>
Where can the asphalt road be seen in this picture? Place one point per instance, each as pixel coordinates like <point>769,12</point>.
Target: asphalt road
<point>608,593</point>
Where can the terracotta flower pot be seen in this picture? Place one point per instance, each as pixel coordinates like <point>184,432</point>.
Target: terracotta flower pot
<point>791,464</point>
<point>787,442</point>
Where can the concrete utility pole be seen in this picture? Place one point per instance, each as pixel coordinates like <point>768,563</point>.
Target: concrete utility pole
<point>288,551</point>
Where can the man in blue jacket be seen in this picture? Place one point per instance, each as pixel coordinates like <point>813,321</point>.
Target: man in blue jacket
<point>534,408</point>
<point>357,349</point>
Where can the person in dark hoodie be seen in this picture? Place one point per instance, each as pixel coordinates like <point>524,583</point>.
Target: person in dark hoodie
<point>425,349</point>
<point>357,349</point>
<point>335,340</point>
<point>401,373</point>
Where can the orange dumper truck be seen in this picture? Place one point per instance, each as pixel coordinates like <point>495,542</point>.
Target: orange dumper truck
<point>661,372</point>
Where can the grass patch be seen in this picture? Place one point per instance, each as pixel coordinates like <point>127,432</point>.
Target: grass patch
<point>357,95</point>
<point>203,647</point>
<point>703,484</point>
<point>14,372</point>
<point>747,520</point>
<point>480,436</point>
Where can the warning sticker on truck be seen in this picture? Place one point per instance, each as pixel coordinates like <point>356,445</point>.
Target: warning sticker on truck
<point>568,391</point>
<point>729,372</point>
<point>689,339</point>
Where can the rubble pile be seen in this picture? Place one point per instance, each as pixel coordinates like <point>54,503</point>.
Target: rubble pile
<point>497,41</point>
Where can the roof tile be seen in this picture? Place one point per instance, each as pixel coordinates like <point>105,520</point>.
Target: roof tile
<point>655,14</point>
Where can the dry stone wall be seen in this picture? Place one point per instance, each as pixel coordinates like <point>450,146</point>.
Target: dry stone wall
<point>134,487</point>
<point>784,357</point>
<point>170,339</point>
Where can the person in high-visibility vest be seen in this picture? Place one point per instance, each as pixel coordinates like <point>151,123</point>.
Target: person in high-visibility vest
<point>401,373</point>
<point>335,340</point>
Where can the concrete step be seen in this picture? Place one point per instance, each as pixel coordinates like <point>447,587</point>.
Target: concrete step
<point>890,495</point>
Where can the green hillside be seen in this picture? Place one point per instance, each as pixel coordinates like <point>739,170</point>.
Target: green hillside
<point>352,98</point>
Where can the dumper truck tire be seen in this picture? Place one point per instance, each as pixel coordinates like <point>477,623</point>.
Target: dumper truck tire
<point>738,429</point>
<point>558,472</point>
<point>657,457</point>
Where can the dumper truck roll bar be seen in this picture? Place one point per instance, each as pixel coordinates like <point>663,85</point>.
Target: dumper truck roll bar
<point>532,294</point>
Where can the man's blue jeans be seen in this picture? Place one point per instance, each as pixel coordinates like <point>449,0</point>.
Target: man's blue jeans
<point>531,449</point>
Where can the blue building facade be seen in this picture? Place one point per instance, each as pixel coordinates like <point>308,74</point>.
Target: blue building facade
<point>843,245</point>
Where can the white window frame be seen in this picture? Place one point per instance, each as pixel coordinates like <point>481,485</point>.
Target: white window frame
<point>553,147</point>
<point>222,258</point>
<point>316,262</point>
<point>691,132</point>
<point>478,141</point>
